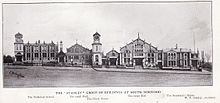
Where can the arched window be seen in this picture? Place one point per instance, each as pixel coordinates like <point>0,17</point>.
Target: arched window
<point>96,58</point>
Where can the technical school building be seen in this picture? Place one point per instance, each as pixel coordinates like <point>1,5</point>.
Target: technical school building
<point>137,54</point>
<point>37,53</point>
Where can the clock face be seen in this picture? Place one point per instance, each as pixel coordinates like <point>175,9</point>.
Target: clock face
<point>96,38</point>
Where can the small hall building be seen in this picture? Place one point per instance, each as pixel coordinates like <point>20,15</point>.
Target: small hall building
<point>113,58</point>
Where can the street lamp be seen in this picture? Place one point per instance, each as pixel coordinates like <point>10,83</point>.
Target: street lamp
<point>82,61</point>
<point>71,61</point>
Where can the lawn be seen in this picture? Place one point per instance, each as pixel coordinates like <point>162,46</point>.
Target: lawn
<point>38,76</point>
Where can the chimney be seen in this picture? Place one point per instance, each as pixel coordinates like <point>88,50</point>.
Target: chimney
<point>176,46</point>
<point>61,46</point>
<point>39,41</point>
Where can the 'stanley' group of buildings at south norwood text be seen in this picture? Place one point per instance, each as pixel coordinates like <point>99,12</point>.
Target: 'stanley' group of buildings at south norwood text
<point>137,54</point>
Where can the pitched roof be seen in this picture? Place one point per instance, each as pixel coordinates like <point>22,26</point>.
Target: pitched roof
<point>75,45</point>
<point>176,50</point>
<point>113,51</point>
<point>137,40</point>
<point>96,33</point>
<point>61,53</point>
<point>18,34</point>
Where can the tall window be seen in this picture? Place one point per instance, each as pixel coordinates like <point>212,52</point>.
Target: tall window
<point>52,54</point>
<point>97,48</point>
<point>28,55</point>
<point>44,55</point>
<point>20,47</point>
<point>172,59</point>
<point>185,59</point>
<point>127,54</point>
<point>36,55</point>
<point>138,50</point>
<point>96,58</point>
<point>16,47</point>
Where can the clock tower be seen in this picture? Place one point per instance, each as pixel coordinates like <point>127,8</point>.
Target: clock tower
<point>18,47</point>
<point>96,50</point>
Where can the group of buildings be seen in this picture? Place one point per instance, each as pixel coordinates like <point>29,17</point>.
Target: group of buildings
<point>137,54</point>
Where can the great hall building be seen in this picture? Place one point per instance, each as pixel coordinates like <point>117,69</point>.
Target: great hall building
<point>137,54</point>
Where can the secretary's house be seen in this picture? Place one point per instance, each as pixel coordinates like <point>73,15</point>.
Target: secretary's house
<point>138,54</point>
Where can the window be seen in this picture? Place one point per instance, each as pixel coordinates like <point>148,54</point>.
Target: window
<point>159,56</point>
<point>20,47</point>
<point>96,58</point>
<point>35,49</point>
<point>69,57</point>
<point>35,54</point>
<point>97,48</point>
<point>44,55</point>
<point>52,54</point>
<point>76,57</point>
<point>185,62</point>
<point>113,54</point>
<point>185,56</point>
<point>148,60</point>
<point>44,48</point>
<point>28,55</point>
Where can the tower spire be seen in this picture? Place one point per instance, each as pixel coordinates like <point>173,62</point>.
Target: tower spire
<point>194,42</point>
<point>138,35</point>
<point>61,45</point>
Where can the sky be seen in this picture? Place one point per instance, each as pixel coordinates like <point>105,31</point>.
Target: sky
<point>162,24</point>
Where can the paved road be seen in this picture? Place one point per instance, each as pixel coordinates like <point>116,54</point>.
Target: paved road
<point>38,76</point>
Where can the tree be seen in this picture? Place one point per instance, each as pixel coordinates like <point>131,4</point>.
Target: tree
<point>208,56</point>
<point>7,59</point>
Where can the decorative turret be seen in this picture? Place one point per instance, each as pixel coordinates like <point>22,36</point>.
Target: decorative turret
<point>96,49</point>
<point>18,47</point>
<point>61,45</point>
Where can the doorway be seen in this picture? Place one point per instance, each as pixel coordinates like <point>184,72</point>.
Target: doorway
<point>139,61</point>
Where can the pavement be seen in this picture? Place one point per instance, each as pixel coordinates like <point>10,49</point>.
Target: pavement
<point>45,76</point>
<point>153,71</point>
<point>204,72</point>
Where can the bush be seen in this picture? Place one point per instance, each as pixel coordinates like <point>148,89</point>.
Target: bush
<point>207,66</point>
<point>7,59</point>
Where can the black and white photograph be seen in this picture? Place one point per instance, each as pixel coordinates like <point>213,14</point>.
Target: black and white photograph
<point>107,44</point>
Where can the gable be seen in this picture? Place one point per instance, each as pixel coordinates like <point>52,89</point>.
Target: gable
<point>77,49</point>
<point>112,53</point>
